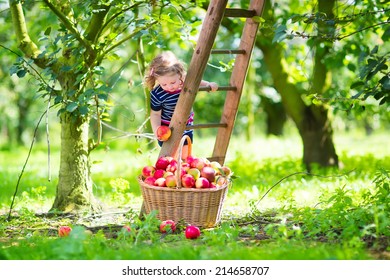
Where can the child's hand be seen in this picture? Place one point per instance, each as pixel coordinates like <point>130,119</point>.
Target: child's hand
<point>213,86</point>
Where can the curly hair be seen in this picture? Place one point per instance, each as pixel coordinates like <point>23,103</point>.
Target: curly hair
<point>164,64</point>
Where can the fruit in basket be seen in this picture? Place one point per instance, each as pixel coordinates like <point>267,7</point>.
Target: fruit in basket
<point>162,163</point>
<point>194,172</point>
<point>197,163</point>
<point>150,180</point>
<point>64,231</point>
<point>170,181</point>
<point>172,166</point>
<point>216,165</point>
<point>187,181</point>
<point>148,171</point>
<point>226,171</point>
<point>159,173</point>
<point>208,172</point>
<point>167,226</point>
<point>192,232</point>
<point>163,133</point>
<point>202,183</point>
<point>160,182</point>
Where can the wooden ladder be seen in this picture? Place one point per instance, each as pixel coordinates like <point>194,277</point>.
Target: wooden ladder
<point>215,13</point>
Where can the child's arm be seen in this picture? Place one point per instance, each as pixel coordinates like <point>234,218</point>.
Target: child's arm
<point>155,120</point>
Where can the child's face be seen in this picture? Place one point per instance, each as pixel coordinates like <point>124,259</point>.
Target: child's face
<point>170,83</point>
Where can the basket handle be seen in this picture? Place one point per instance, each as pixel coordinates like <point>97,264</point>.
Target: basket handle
<point>179,159</point>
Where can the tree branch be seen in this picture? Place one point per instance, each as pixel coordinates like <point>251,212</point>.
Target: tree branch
<point>26,45</point>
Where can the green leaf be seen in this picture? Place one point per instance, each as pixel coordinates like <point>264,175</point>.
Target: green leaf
<point>47,31</point>
<point>357,84</point>
<point>385,81</point>
<point>71,107</point>
<point>83,110</point>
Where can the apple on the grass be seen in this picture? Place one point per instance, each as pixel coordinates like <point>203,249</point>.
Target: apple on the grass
<point>163,133</point>
<point>167,226</point>
<point>188,181</point>
<point>64,231</point>
<point>192,232</point>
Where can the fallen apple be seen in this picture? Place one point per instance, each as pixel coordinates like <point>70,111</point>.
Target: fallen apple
<point>192,232</point>
<point>64,231</point>
<point>163,133</point>
<point>167,226</point>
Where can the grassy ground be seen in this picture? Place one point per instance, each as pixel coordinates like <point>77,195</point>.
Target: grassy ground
<point>273,210</point>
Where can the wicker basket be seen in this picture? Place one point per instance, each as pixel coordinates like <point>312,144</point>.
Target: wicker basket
<point>200,207</point>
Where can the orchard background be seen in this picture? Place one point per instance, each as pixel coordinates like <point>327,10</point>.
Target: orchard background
<point>310,146</point>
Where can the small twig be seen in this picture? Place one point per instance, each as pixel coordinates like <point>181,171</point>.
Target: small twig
<point>24,166</point>
<point>300,173</point>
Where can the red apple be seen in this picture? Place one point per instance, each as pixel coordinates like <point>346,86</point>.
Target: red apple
<point>188,181</point>
<point>167,226</point>
<point>159,173</point>
<point>127,228</point>
<point>64,231</point>
<point>197,163</point>
<point>192,232</point>
<point>208,172</point>
<point>160,182</point>
<point>163,133</point>
<point>172,166</point>
<point>162,163</point>
<point>148,171</point>
<point>150,180</point>
<point>202,183</point>
<point>170,181</point>
<point>185,166</point>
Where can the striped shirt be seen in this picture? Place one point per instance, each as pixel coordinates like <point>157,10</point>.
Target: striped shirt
<point>166,102</point>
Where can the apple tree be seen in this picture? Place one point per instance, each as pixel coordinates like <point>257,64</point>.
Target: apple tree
<point>75,40</point>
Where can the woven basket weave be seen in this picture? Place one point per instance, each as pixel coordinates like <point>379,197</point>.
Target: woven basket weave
<point>200,207</point>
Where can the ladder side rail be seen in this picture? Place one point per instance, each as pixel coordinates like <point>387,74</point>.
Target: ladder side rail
<point>194,76</point>
<point>237,79</point>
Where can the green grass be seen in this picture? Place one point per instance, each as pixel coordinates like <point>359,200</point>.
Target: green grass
<point>274,210</point>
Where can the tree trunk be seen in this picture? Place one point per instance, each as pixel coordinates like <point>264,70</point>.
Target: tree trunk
<point>74,189</point>
<point>312,121</point>
<point>276,116</point>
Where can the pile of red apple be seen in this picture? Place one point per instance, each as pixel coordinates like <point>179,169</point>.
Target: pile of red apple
<point>195,172</point>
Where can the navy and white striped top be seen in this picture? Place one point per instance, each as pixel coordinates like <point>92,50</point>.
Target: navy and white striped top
<point>166,102</point>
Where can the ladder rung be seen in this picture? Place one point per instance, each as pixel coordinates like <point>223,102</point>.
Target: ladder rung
<point>221,88</point>
<point>219,159</point>
<point>242,13</point>
<point>215,51</point>
<point>206,125</point>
